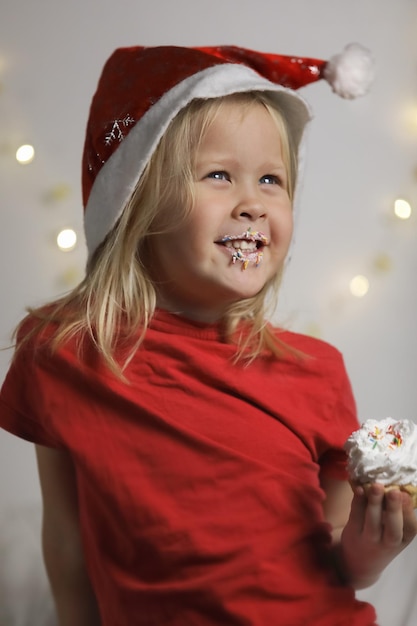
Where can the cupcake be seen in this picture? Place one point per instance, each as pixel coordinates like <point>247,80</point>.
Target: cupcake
<point>384,451</point>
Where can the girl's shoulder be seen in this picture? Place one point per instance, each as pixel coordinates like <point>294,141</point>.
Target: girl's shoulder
<point>35,330</point>
<point>39,335</point>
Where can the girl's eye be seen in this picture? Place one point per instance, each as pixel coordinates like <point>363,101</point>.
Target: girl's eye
<point>270,179</point>
<point>219,176</point>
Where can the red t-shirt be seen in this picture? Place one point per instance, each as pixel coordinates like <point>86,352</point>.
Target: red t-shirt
<point>199,494</point>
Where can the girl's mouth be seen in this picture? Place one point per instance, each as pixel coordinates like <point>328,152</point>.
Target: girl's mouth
<point>246,248</point>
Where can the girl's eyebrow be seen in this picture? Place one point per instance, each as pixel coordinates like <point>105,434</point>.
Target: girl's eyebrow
<point>225,160</point>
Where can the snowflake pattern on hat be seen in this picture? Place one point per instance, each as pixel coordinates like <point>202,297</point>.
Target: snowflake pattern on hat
<point>116,133</point>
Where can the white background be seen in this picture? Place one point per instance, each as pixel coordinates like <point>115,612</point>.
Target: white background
<point>361,156</point>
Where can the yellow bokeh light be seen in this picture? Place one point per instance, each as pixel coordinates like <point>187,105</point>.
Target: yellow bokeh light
<point>66,239</point>
<point>383,262</point>
<point>402,209</point>
<point>411,117</point>
<point>359,286</point>
<point>25,154</point>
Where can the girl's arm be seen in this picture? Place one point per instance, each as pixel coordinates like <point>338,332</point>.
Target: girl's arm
<point>62,549</point>
<point>368,531</point>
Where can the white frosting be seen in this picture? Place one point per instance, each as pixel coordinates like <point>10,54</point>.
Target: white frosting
<point>383,451</point>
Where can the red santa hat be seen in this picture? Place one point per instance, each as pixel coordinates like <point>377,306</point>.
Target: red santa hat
<point>141,90</point>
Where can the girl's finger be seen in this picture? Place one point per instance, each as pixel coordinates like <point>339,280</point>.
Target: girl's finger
<point>357,510</point>
<point>393,519</point>
<point>410,519</point>
<point>373,522</point>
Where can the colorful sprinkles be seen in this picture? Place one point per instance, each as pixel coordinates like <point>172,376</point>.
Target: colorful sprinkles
<point>378,434</point>
<point>253,257</point>
<point>238,256</point>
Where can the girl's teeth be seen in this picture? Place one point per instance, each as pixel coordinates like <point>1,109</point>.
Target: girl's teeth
<point>241,244</point>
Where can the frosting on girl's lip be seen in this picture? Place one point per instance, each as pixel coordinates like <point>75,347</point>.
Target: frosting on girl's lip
<point>246,247</point>
<point>248,235</point>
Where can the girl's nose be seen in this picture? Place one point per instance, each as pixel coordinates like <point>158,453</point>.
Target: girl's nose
<point>250,208</point>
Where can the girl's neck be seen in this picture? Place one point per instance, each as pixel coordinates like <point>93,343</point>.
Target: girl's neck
<point>209,315</point>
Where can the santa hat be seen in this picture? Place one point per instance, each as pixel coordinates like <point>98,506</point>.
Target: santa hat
<point>142,89</point>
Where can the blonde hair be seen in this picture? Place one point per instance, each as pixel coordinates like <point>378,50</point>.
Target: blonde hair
<point>115,302</point>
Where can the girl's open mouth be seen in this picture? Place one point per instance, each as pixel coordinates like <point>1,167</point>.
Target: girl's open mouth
<point>246,247</point>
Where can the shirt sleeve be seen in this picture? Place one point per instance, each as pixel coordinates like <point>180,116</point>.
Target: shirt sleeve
<point>344,422</point>
<point>22,398</point>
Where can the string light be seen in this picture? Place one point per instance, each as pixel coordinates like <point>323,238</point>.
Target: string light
<point>382,262</point>
<point>402,209</point>
<point>70,277</point>
<point>25,154</point>
<point>359,286</point>
<point>66,239</point>
<point>57,193</point>
<point>411,117</point>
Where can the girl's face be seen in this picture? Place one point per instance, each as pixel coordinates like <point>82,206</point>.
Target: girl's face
<point>238,233</point>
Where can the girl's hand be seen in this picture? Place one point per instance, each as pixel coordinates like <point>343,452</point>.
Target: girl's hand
<point>380,526</point>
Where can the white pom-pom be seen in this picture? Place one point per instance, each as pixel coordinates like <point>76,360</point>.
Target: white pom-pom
<point>351,72</point>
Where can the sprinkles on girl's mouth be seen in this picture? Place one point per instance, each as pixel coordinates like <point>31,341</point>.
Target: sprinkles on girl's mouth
<point>248,235</point>
<point>254,257</point>
<point>238,256</point>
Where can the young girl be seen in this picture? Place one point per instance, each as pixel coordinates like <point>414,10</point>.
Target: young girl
<point>191,455</point>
